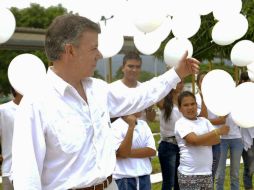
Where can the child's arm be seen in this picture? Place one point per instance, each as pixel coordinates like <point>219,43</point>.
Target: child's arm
<point>208,139</point>
<point>124,149</point>
<point>218,120</point>
<point>142,152</point>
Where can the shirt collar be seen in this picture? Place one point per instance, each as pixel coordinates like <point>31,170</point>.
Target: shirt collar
<point>59,84</point>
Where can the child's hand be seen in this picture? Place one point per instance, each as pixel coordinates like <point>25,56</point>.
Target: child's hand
<point>223,130</point>
<point>130,119</point>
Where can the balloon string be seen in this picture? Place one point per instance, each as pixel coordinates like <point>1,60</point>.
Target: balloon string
<point>201,50</point>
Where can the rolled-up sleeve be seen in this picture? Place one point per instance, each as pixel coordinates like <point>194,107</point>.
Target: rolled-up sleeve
<point>137,99</point>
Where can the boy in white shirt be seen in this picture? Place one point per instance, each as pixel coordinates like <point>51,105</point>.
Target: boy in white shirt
<point>135,146</point>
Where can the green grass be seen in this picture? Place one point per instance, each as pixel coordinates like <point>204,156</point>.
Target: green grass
<point>157,186</point>
<point>155,127</point>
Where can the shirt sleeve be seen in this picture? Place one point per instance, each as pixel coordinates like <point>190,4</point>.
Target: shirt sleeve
<point>209,125</point>
<point>125,102</point>
<point>183,128</point>
<point>28,149</point>
<point>117,129</point>
<point>150,142</point>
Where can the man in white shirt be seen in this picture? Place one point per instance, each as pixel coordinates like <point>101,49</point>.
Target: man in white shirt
<point>65,131</point>
<point>7,114</point>
<point>131,69</point>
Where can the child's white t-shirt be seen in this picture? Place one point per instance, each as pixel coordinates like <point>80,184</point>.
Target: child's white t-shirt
<point>194,160</point>
<point>142,137</point>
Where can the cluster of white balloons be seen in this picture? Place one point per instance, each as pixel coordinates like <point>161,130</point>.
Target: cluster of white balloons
<point>223,97</point>
<point>154,20</point>
<point>183,19</point>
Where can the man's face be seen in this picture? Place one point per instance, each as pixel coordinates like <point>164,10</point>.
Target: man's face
<point>131,70</point>
<point>86,54</point>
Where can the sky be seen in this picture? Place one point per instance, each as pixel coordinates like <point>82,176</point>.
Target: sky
<point>92,9</point>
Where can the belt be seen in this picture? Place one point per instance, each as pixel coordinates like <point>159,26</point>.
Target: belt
<point>100,186</point>
<point>169,139</point>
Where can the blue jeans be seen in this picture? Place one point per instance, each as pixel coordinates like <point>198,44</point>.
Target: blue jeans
<point>236,147</point>
<point>248,162</point>
<point>132,183</point>
<point>216,159</point>
<point>169,160</point>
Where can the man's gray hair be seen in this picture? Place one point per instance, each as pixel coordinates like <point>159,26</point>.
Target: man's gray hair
<point>66,29</point>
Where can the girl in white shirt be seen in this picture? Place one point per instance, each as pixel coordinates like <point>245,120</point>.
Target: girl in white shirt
<point>168,151</point>
<point>195,137</point>
<point>135,146</point>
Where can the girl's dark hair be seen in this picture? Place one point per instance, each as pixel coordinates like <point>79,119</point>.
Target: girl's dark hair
<point>199,76</point>
<point>183,95</point>
<point>168,105</point>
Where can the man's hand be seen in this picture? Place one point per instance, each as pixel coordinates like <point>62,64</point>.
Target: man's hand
<point>187,66</point>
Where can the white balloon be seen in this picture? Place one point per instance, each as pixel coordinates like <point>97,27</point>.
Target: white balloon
<point>185,26</point>
<point>171,7</point>
<point>226,30</point>
<point>175,49</point>
<point>145,44</point>
<point>217,88</point>
<point>240,25</point>
<point>251,75</point>
<point>222,34</point>
<point>242,53</point>
<point>243,104</point>
<point>204,7</point>
<point>251,67</point>
<point>225,8</point>
<point>110,40</point>
<point>7,24</point>
<point>162,32</point>
<point>147,18</point>
<point>26,73</point>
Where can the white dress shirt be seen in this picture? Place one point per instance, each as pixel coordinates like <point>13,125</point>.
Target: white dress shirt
<point>61,142</point>
<point>142,137</point>
<point>7,114</point>
<point>120,86</point>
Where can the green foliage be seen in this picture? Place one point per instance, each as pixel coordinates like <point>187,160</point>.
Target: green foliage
<point>37,16</point>
<point>97,75</point>
<point>34,16</point>
<point>119,74</point>
<point>145,76</point>
<point>5,58</point>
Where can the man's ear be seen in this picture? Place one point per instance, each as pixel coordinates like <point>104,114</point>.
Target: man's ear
<point>69,49</point>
